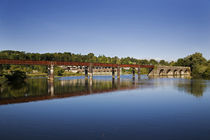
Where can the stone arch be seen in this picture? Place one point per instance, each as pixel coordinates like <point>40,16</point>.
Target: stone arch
<point>176,72</point>
<point>187,72</point>
<point>169,72</point>
<point>181,72</point>
<point>161,72</point>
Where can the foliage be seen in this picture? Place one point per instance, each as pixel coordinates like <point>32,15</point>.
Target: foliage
<point>163,63</point>
<point>71,57</point>
<point>1,70</point>
<point>198,64</point>
<point>153,62</point>
<point>66,56</point>
<point>16,76</point>
<point>206,74</point>
<point>58,71</point>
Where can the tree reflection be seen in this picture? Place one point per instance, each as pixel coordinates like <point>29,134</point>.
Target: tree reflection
<point>194,87</point>
<point>32,87</point>
<point>42,89</point>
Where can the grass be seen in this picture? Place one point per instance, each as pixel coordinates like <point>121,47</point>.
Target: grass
<point>37,75</point>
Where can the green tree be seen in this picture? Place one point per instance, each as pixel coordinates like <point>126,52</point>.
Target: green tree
<point>197,63</point>
<point>163,62</point>
<point>153,62</point>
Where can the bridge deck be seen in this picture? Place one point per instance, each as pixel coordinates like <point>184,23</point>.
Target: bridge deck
<point>59,63</point>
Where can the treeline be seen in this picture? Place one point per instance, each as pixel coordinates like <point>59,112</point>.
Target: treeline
<point>199,65</point>
<point>71,57</point>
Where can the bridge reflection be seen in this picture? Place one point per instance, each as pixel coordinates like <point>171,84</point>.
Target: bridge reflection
<point>171,76</point>
<point>43,89</point>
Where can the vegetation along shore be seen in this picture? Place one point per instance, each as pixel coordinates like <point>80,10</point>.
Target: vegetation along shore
<point>199,65</point>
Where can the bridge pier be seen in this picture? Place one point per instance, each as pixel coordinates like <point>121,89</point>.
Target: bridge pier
<point>86,72</point>
<point>118,72</point>
<point>51,72</point>
<point>134,73</point>
<point>113,73</point>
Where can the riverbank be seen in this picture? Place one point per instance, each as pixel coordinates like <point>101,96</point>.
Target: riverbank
<point>70,74</point>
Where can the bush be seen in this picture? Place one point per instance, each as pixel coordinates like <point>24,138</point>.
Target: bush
<point>16,76</point>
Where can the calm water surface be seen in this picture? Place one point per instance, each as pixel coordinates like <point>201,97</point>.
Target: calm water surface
<point>77,109</point>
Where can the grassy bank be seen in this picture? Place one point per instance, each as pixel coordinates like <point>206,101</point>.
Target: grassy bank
<point>37,75</point>
<point>70,74</point>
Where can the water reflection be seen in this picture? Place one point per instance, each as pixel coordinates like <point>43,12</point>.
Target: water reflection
<point>194,87</point>
<point>171,76</point>
<point>42,89</point>
<point>51,87</point>
<point>153,109</point>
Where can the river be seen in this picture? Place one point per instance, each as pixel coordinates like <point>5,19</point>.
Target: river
<point>126,109</point>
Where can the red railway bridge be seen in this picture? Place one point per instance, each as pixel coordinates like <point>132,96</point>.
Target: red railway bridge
<point>88,66</point>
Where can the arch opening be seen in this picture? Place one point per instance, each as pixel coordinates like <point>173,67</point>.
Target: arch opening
<point>181,72</point>
<point>176,72</point>
<point>169,72</point>
<point>186,72</point>
<point>161,73</point>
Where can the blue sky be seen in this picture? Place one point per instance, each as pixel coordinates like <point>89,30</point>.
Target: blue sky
<point>160,29</point>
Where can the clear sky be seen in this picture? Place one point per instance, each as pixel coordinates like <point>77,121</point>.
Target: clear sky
<point>160,29</point>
